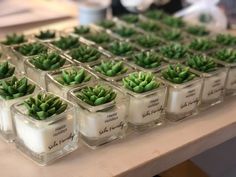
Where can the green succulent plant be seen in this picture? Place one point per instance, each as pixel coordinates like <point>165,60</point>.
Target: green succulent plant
<point>177,74</point>
<point>67,42</point>
<point>149,26</point>
<point>6,70</point>
<point>205,18</point>
<point>226,39</point>
<point>201,63</point>
<point>173,22</point>
<point>15,88</point>
<point>81,30</point>
<point>202,45</point>
<point>130,18</point>
<point>154,14</point>
<point>171,35</point>
<point>14,39</point>
<point>125,31</point>
<point>96,95</point>
<point>85,54</point>
<point>48,61</point>
<point>226,55</point>
<point>121,48</point>
<point>174,51</point>
<point>140,82</point>
<point>111,68</point>
<point>32,49</point>
<point>147,41</point>
<point>47,34</point>
<point>99,38</point>
<point>44,105</point>
<point>198,30</point>
<point>74,76</point>
<point>107,24</point>
<point>147,59</point>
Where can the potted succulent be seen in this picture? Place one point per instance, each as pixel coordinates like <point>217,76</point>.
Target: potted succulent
<point>99,38</point>
<point>227,57</point>
<point>202,45</point>
<point>6,70</point>
<point>45,127</point>
<point>147,99</point>
<point>214,76</point>
<point>148,41</point>
<point>125,32</point>
<point>130,18</point>
<point>226,40</point>
<point>65,43</point>
<point>174,53</point>
<point>61,81</point>
<point>12,90</point>
<point>171,34</point>
<point>45,35</point>
<point>107,24</point>
<point>111,70</point>
<point>184,91</point>
<point>199,31</point>
<point>24,51</point>
<point>120,48</point>
<point>154,14</point>
<point>37,67</point>
<point>81,30</point>
<point>102,112</point>
<point>173,21</point>
<point>149,26</point>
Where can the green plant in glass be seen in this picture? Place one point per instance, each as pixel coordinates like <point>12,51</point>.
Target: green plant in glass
<point>48,61</point>
<point>148,26</point>
<point>121,48</point>
<point>177,74</point>
<point>173,22</point>
<point>85,54</point>
<point>32,49</point>
<point>202,45</point>
<point>174,51</point>
<point>226,55</point>
<point>201,63</point>
<point>154,14</point>
<point>47,34</point>
<point>81,30</point>
<point>198,30</point>
<point>125,31</point>
<point>130,18</point>
<point>14,39</point>
<point>44,105</point>
<point>15,88</point>
<point>74,76</point>
<point>97,95</point>
<point>6,70</point>
<point>99,38</point>
<point>147,41</point>
<point>171,35</point>
<point>66,43</point>
<point>106,24</point>
<point>140,82</point>
<point>147,59</point>
<point>226,39</point>
<point>111,68</point>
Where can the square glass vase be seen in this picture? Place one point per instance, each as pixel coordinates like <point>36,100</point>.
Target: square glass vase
<point>6,126</point>
<point>39,75</point>
<point>104,123</point>
<point>183,99</point>
<point>52,85</point>
<point>44,141</point>
<point>146,110</point>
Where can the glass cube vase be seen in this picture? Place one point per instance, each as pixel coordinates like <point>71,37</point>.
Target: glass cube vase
<point>44,141</point>
<point>104,123</point>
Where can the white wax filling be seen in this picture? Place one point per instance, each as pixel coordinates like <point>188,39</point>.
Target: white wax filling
<point>45,139</point>
<point>231,80</point>
<point>102,124</point>
<point>146,109</point>
<point>183,100</point>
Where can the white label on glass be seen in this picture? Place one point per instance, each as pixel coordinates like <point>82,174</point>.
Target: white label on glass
<point>231,81</point>
<point>183,100</point>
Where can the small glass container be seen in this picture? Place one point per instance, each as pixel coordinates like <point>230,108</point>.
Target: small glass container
<point>104,123</point>
<point>38,75</point>
<point>183,99</point>
<point>146,110</point>
<point>6,127</point>
<point>44,141</point>
<point>52,85</point>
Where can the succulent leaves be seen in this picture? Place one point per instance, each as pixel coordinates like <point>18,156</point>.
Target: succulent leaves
<point>97,95</point>
<point>47,34</point>
<point>48,61</point>
<point>174,51</point>
<point>130,18</point>
<point>99,38</point>
<point>178,74</point>
<point>171,35</point>
<point>226,39</point>
<point>6,70</point>
<point>121,48</point>
<point>107,24</point>
<point>226,55</point>
<point>81,30</point>
<point>14,88</point>
<point>44,105</point>
<point>173,22</point>
<point>111,68</point>
<point>154,14</point>
<point>198,30</point>
<point>201,45</point>
<point>66,42</point>
<point>148,26</point>
<point>14,39</point>
<point>140,82</point>
<point>32,49</point>
<point>148,41</point>
<point>124,31</point>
